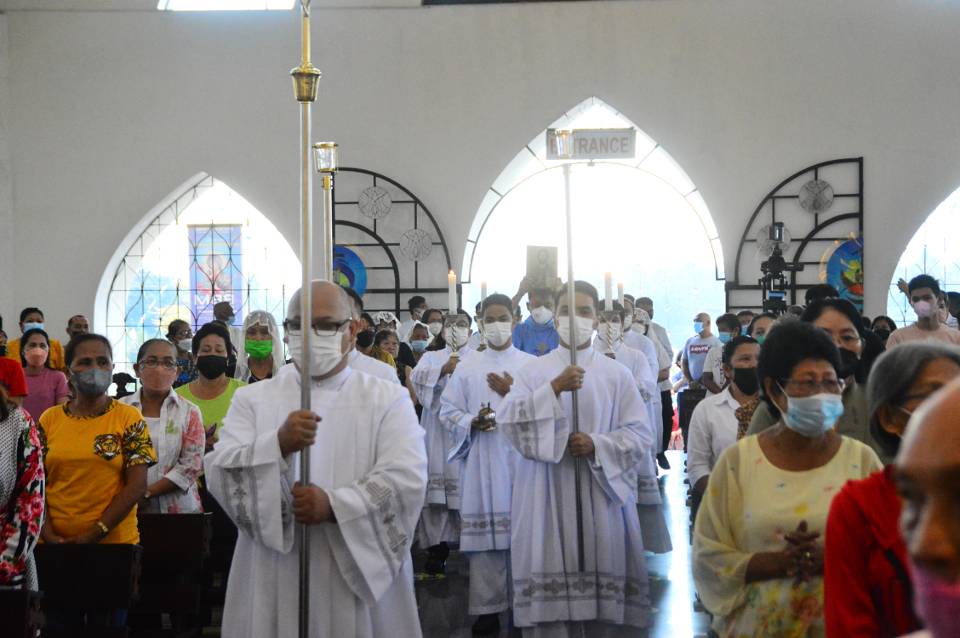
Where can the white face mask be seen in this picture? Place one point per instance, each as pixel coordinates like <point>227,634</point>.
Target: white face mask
<point>498,333</point>
<point>609,337</point>
<point>541,315</point>
<point>325,352</point>
<point>185,344</point>
<point>456,337</point>
<point>435,327</point>
<point>924,309</point>
<point>584,329</point>
<point>627,322</point>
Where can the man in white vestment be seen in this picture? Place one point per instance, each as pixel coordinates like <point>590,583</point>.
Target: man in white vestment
<point>468,411</point>
<point>440,520</point>
<point>362,362</point>
<point>552,598</point>
<point>368,472</point>
<point>609,341</point>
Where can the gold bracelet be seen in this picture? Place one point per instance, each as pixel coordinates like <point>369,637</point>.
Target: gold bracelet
<point>104,530</point>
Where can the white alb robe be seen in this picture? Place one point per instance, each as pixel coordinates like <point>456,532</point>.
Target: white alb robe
<point>439,521</point>
<point>653,524</point>
<point>373,367</point>
<point>658,358</point>
<point>369,458</point>
<point>547,586</point>
<point>489,464</point>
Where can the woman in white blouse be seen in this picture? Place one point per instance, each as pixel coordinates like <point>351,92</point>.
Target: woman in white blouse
<point>176,431</point>
<point>758,539</point>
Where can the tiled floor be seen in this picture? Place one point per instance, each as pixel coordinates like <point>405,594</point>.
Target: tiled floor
<point>443,604</point>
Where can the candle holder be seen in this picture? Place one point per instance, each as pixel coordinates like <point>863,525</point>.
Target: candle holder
<point>326,157</point>
<point>455,320</point>
<point>610,329</point>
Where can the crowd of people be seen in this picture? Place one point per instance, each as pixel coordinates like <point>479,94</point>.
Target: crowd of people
<point>819,455</point>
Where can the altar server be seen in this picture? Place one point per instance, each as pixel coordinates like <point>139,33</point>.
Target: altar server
<point>440,520</point>
<point>369,473</point>
<point>609,341</point>
<point>468,410</point>
<point>552,597</point>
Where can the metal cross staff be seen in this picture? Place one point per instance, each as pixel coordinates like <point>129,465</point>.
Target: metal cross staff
<point>306,79</point>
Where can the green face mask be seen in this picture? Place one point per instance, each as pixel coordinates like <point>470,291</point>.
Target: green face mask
<point>760,338</point>
<point>258,349</point>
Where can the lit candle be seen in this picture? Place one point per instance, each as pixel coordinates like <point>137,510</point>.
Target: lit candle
<point>607,291</point>
<point>483,290</point>
<point>620,293</point>
<point>452,292</point>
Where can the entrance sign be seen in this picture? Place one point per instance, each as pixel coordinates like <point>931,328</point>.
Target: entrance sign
<point>591,143</point>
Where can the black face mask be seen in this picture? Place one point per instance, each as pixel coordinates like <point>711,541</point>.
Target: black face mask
<point>3,350</point>
<point>211,366</point>
<point>849,363</point>
<point>883,333</point>
<point>365,338</point>
<point>746,380</point>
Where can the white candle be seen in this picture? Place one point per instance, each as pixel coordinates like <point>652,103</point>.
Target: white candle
<point>452,292</point>
<point>620,293</point>
<point>607,291</point>
<point>483,290</point>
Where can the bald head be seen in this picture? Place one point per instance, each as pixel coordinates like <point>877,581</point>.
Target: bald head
<point>329,302</point>
<point>928,478</point>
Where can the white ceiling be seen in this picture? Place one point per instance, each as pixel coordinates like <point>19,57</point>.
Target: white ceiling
<point>151,5</point>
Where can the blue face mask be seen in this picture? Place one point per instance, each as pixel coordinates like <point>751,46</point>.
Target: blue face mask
<point>30,325</point>
<point>724,338</point>
<point>419,345</point>
<point>813,416</point>
<point>698,326</point>
<point>743,330</point>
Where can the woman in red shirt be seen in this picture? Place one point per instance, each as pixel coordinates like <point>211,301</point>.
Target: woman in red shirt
<point>867,590</point>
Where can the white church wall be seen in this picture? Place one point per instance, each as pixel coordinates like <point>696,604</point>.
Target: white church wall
<point>110,111</point>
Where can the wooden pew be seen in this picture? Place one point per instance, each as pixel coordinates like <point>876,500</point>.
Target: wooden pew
<point>88,579</point>
<point>176,548</point>
<point>21,613</point>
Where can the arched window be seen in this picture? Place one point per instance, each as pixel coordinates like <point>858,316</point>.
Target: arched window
<point>642,220</point>
<point>930,251</point>
<point>203,245</point>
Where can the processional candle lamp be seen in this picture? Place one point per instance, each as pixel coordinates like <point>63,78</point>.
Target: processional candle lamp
<point>306,81</point>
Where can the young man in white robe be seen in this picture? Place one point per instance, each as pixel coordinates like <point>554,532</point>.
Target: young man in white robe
<point>489,461</point>
<point>609,341</point>
<point>552,597</point>
<point>368,475</point>
<point>440,519</point>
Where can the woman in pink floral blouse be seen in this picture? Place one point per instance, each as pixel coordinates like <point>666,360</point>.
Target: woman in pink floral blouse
<point>21,495</point>
<point>176,431</point>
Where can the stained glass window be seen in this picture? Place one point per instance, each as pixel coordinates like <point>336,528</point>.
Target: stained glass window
<point>209,245</point>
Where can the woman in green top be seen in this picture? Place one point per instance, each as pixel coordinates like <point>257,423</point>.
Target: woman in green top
<point>212,390</point>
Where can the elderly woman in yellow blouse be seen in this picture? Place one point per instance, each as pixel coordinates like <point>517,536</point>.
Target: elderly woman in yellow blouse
<point>96,454</point>
<point>758,539</point>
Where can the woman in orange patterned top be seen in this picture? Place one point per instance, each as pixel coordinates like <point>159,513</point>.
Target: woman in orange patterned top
<point>97,451</point>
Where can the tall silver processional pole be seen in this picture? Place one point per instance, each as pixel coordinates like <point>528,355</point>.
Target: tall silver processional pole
<point>583,144</point>
<point>306,79</point>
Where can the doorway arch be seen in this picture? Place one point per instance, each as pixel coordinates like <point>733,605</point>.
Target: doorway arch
<point>644,220</point>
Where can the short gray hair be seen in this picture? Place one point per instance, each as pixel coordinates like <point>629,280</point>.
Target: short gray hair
<point>891,377</point>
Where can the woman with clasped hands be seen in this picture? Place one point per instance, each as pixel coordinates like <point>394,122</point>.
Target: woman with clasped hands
<point>758,539</point>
